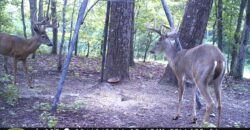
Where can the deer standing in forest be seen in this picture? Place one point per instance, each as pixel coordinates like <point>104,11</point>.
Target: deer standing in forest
<point>20,48</point>
<point>204,65</point>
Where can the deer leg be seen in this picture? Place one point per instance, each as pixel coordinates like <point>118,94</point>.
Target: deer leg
<point>209,101</point>
<point>194,97</point>
<point>15,70</point>
<point>25,65</point>
<point>5,65</point>
<point>218,97</point>
<point>198,100</point>
<point>180,92</point>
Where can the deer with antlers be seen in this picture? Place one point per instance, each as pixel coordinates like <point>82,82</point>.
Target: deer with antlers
<point>20,48</point>
<point>204,65</point>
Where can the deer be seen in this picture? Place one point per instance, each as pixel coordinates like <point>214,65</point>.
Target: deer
<point>20,48</point>
<point>204,65</point>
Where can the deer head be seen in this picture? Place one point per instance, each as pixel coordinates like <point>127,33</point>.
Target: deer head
<point>40,30</point>
<point>166,41</point>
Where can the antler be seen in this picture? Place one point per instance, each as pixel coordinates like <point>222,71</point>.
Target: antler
<point>158,30</point>
<point>47,22</point>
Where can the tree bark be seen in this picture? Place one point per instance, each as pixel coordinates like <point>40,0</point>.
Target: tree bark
<point>219,25</point>
<point>119,37</point>
<point>40,12</point>
<point>194,22</point>
<point>131,54</point>
<point>147,46</point>
<point>55,30</point>
<point>105,37</point>
<point>23,19</point>
<point>239,68</point>
<point>237,36</point>
<point>71,23</point>
<point>33,15</point>
<point>59,67</point>
<point>48,7</point>
<point>69,56</point>
<point>191,31</point>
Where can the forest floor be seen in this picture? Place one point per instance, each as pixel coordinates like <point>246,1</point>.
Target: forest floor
<point>139,102</point>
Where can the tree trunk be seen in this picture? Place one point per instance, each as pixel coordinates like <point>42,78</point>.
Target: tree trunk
<point>219,25</point>
<point>40,18</point>
<point>69,56</point>
<point>194,22</point>
<point>237,36</point>
<point>59,67</point>
<point>87,55</point>
<point>147,46</point>
<point>239,68</point>
<point>71,23</point>
<point>131,54</point>
<point>215,23</point>
<point>191,31</point>
<point>40,12</point>
<point>119,37</point>
<point>23,19</point>
<point>48,7</point>
<point>105,37</point>
<point>76,44</point>
<point>33,15</point>
<point>55,30</point>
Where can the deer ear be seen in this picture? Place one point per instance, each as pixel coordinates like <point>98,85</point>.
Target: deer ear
<point>172,34</point>
<point>36,29</point>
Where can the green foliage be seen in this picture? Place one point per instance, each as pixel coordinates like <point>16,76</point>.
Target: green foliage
<point>49,119</point>
<point>8,91</point>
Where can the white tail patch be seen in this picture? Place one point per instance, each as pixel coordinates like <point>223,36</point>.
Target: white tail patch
<point>215,64</point>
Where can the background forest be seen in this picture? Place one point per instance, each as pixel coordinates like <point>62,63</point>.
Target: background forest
<point>90,38</point>
<point>111,42</point>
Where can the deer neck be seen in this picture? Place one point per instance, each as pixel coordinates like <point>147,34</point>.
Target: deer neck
<point>170,54</point>
<point>33,44</point>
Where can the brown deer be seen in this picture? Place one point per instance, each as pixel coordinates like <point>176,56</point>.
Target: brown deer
<point>204,65</point>
<point>20,48</point>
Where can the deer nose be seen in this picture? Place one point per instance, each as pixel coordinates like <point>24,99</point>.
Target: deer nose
<point>50,44</point>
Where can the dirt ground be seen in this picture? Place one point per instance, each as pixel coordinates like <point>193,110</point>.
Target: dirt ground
<point>139,102</point>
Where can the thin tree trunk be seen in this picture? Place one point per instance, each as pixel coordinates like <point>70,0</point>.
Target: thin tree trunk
<point>147,47</point>
<point>48,8</point>
<point>87,55</point>
<point>23,19</point>
<point>239,68</point>
<point>40,12</point>
<point>63,35</point>
<point>215,23</point>
<point>33,15</point>
<point>237,37</point>
<point>69,56</point>
<point>76,44</point>
<point>40,18</point>
<point>219,25</point>
<point>55,30</point>
<point>131,54</point>
<point>105,37</point>
<point>71,23</point>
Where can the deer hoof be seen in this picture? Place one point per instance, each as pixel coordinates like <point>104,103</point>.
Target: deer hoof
<point>194,121</point>
<point>176,117</point>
